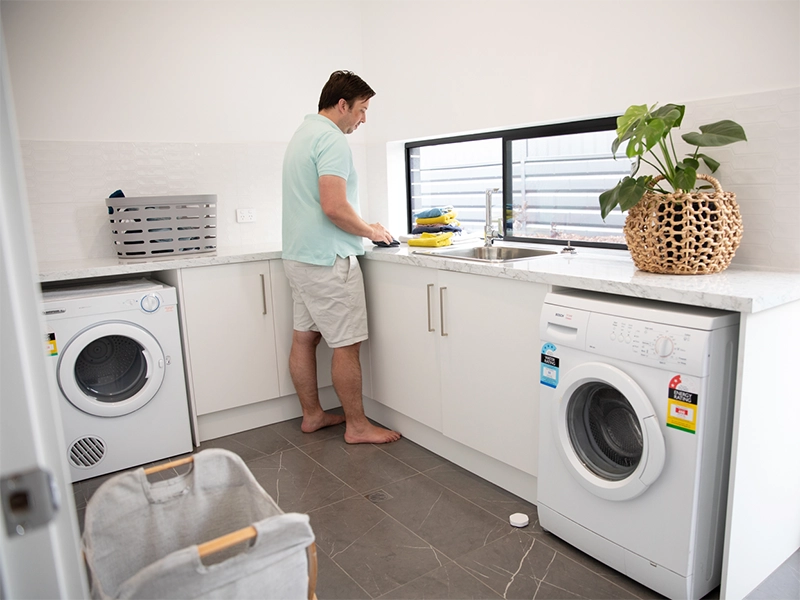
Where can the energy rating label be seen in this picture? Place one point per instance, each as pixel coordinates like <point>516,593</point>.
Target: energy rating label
<point>681,406</point>
<point>548,373</point>
<point>50,344</point>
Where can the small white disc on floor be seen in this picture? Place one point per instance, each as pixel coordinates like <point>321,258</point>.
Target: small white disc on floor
<point>518,519</point>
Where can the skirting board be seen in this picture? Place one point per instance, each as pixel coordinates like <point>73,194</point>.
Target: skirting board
<point>259,414</point>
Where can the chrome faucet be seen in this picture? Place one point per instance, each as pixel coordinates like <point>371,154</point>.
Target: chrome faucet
<point>489,233</point>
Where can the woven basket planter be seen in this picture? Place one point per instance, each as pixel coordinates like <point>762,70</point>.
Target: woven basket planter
<point>684,233</point>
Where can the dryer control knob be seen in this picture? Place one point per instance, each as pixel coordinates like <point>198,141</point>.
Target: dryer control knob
<point>150,303</point>
<point>664,347</point>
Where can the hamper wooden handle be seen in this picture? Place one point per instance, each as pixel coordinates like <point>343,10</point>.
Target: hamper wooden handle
<point>709,178</point>
<point>312,570</point>
<point>169,465</point>
<point>226,541</point>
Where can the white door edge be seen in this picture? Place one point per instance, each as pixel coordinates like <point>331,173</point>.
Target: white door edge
<point>654,449</point>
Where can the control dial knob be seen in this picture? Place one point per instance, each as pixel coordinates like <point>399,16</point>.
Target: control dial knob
<point>150,303</point>
<point>664,346</point>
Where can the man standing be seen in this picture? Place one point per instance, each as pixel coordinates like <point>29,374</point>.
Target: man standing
<point>322,236</point>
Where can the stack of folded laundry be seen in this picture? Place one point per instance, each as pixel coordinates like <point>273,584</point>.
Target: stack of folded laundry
<point>434,227</point>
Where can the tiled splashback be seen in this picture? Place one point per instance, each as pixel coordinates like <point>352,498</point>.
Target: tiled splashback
<point>763,172</point>
<point>68,182</point>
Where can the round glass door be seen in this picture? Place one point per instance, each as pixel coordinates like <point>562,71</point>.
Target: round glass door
<point>111,369</point>
<point>604,431</point>
<point>608,435</point>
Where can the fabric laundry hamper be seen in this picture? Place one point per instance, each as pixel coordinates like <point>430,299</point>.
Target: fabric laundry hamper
<point>212,532</point>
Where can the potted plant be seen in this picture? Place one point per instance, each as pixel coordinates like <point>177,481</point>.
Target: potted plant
<point>683,230</point>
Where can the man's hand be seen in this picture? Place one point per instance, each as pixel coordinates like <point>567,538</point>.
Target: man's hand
<point>380,233</point>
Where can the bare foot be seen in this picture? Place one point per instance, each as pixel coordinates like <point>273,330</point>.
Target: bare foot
<point>311,424</point>
<point>370,434</point>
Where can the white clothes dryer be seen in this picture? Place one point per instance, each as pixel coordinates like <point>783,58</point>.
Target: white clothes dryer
<point>634,436</point>
<point>115,354</point>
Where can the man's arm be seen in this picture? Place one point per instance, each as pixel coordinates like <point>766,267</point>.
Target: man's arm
<point>333,199</point>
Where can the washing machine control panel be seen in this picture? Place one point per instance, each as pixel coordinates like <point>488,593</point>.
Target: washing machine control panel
<point>647,343</point>
<point>150,303</point>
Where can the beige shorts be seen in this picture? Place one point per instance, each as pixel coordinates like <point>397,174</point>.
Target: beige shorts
<point>330,300</point>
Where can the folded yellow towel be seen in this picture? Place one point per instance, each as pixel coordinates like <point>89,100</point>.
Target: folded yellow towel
<point>432,240</point>
<point>445,218</point>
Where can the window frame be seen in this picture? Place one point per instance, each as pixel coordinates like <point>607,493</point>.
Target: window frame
<point>507,136</point>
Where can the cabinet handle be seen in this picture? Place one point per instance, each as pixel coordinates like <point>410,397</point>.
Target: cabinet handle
<point>441,310</point>
<point>264,292</point>
<point>430,325</point>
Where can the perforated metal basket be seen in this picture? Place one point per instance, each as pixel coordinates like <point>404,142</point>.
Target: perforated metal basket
<point>151,227</point>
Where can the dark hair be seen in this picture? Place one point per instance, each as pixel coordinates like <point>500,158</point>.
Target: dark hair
<point>347,85</point>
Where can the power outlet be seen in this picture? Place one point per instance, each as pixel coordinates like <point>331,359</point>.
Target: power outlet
<point>245,215</point>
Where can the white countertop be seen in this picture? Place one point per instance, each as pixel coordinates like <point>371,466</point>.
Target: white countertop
<point>610,271</point>
<point>613,272</point>
<point>108,267</point>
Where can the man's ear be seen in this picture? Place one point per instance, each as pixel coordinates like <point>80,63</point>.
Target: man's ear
<point>342,105</point>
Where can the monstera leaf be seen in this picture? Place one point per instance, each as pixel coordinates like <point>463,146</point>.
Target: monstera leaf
<point>648,132</point>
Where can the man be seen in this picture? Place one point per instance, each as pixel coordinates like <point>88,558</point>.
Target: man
<point>322,235</point>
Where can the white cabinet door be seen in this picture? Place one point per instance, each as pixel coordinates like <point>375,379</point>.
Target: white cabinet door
<point>490,362</point>
<point>402,304</point>
<point>231,336</point>
<point>282,301</point>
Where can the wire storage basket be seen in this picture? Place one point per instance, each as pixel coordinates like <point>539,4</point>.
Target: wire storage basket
<point>149,227</point>
<point>212,532</point>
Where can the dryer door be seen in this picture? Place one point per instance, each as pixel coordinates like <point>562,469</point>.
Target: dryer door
<point>607,432</point>
<point>111,369</point>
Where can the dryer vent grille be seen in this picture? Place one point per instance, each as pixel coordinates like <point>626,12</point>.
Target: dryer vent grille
<point>87,452</point>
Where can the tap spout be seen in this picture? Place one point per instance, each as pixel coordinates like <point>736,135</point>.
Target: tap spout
<point>489,233</point>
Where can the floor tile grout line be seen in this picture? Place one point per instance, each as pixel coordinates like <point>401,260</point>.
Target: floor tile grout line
<point>369,490</point>
<point>600,575</point>
<point>332,474</point>
<point>404,526</point>
<point>333,556</point>
<point>346,574</point>
<point>557,551</point>
<point>469,571</point>
<point>453,562</point>
<point>436,551</point>
<point>381,447</point>
<point>465,498</point>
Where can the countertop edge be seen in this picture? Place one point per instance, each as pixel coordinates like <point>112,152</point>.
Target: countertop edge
<point>64,271</point>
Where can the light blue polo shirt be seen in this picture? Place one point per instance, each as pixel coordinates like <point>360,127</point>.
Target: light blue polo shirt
<point>317,148</point>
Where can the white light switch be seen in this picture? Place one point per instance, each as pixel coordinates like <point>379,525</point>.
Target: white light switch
<point>245,215</point>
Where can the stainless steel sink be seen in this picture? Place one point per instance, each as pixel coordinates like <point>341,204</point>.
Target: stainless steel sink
<point>492,254</point>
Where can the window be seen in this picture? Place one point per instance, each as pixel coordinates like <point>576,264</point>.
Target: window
<point>551,177</point>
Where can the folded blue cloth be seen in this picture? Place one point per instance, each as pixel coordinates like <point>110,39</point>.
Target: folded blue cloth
<point>438,228</point>
<point>433,212</point>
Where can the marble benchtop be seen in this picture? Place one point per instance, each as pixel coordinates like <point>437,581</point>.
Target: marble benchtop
<point>610,271</point>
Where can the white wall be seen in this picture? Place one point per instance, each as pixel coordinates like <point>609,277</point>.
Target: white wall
<point>167,97</point>
<point>167,71</point>
<point>234,79</point>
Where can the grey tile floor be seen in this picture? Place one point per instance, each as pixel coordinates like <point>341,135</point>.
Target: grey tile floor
<point>397,521</point>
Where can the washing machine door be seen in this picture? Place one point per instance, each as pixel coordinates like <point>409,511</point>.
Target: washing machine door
<point>607,432</point>
<point>111,369</point>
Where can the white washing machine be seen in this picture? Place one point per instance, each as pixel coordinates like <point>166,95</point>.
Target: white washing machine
<point>634,437</point>
<point>115,353</point>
